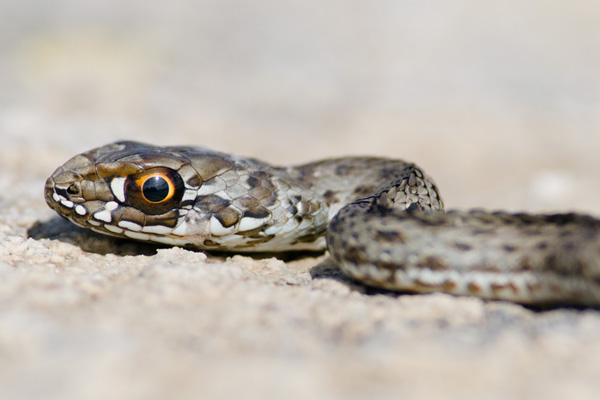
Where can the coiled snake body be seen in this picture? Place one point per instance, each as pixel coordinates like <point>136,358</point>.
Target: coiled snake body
<point>382,220</point>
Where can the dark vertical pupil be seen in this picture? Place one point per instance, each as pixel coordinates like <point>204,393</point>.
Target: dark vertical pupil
<point>156,189</point>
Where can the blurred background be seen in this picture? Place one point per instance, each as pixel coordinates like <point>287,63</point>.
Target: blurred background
<point>500,102</point>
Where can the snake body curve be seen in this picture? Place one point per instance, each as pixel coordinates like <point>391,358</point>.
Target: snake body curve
<point>382,220</point>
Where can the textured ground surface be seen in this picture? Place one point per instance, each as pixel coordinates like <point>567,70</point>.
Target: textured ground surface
<point>501,104</point>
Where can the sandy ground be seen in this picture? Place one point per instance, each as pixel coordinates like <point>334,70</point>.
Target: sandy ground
<point>500,103</point>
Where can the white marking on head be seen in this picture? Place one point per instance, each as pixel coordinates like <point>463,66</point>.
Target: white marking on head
<point>159,229</point>
<point>130,225</point>
<point>92,222</point>
<point>81,210</point>
<point>117,187</point>
<point>67,203</point>
<point>104,216</point>
<point>56,197</point>
<point>137,235</point>
<point>113,228</point>
<point>111,205</point>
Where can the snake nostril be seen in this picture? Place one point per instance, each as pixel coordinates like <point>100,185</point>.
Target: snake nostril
<point>72,189</point>
<point>69,192</point>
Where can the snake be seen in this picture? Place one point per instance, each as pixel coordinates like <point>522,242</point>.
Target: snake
<point>381,220</point>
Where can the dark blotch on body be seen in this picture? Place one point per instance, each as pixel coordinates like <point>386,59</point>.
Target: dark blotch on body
<point>195,181</point>
<point>257,212</point>
<point>496,287</point>
<point>330,197</point>
<point>355,254</point>
<point>212,203</point>
<point>228,217</point>
<point>390,236</point>
<point>433,263</point>
<point>472,287</point>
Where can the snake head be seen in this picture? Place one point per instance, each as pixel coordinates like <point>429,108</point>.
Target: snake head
<point>75,187</point>
<point>125,189</point>
<point>185,196</point>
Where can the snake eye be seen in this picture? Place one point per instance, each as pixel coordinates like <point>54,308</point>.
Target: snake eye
<point>155,191</point>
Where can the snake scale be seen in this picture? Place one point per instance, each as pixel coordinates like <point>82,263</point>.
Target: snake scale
<point>382,220</point>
